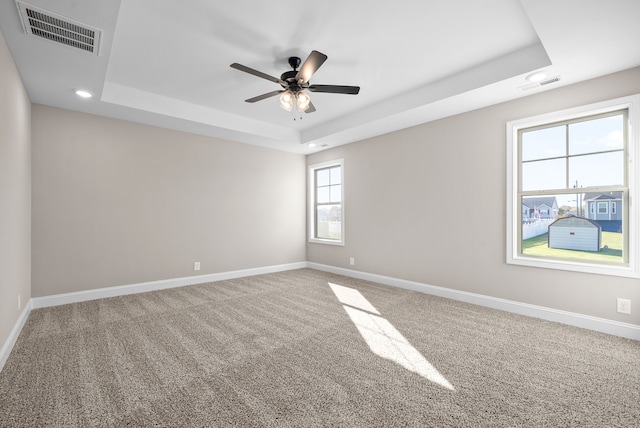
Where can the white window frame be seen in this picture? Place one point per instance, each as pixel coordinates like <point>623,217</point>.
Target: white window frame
<point>604,204</point>
<point>614,208</point>
<point>630,269</point>
<point>312,203</point>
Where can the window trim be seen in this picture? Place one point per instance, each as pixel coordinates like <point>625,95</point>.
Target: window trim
<point>311,199</point>
<point>604,204</point>
<point>630,269</point>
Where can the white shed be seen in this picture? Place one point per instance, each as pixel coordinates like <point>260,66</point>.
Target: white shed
<point>575,233</point>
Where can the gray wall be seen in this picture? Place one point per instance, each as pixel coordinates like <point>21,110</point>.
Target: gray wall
<point>117,203</point>
<point>15,193</point>
<point>416,204</point>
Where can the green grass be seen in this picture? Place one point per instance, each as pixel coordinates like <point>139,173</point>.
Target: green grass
<point>538,247</point>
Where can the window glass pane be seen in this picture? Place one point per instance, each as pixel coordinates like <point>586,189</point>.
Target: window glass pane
<point>335,176</point>
<point>544,175</point>
<point>329,222</point>
<point>604,169</point>
<point>322,177</point>
<point>596,135</point>
<point>323,195</point>
<point>544,207</point>
<point>336,193</point>
<point>570,231</point>
<point>544,143</point>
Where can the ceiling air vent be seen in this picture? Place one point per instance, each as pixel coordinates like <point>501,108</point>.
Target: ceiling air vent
<point>548,81</point>
<point>48,25</point>
<point>541,83</point>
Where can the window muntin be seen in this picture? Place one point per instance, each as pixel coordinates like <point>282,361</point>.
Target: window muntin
<point>326,223</point>
<point>577,155</point>
<point>559,155</point>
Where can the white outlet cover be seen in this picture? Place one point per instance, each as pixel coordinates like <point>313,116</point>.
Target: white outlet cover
<point>624,306</point>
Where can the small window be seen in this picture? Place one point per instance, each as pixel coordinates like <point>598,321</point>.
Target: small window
<point>576,160</point>
<point>602,208</point>
<point>326,220</point>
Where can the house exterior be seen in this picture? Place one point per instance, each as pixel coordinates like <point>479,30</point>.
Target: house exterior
<point>575,233</point>
<point>605,209</point>
<point>539,208</point>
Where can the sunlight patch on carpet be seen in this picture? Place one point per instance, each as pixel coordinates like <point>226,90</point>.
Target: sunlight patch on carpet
<point>383,338</point>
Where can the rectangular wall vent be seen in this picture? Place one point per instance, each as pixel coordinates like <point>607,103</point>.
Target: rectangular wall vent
<point>48,25</point>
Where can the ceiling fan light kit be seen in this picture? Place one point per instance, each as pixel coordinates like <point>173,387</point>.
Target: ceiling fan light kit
<point>295,82</point>
<point>286,100</point>
<point>300,99</point>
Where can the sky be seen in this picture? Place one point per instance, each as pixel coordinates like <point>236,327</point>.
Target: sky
<point>548,152</point>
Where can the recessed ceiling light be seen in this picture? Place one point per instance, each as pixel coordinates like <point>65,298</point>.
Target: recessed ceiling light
<point>537,76</point>
<point>312,145</point>
<point>83,94</point>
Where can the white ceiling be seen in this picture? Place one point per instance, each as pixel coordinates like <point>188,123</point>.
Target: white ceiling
<point>166,63</point>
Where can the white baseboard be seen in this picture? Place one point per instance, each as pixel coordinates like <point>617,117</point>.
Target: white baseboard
<point>143,287</point>
<point>122,290</point>
<point>13,336</point>
<point>603,325</point>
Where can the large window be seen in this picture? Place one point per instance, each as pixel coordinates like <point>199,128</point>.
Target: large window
<point>326,223</point>
<point>572,180</point>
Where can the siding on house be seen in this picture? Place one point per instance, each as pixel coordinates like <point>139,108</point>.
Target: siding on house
<point>611,202</point>
<point>539,207</point>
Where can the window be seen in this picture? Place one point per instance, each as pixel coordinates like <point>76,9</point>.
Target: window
<point>602,208</point>
<point>573,158</point>
<point>326,222</point>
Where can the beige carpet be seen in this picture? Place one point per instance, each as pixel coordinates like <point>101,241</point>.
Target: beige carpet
<point>289,350</point>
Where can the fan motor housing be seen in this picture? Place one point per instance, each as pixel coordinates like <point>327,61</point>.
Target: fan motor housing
<point>289,75</point>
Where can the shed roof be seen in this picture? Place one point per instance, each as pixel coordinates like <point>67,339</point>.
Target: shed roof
<point>573,221</point>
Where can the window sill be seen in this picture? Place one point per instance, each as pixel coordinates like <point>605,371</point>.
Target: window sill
<point>623,270</point>
<point>326,242</point>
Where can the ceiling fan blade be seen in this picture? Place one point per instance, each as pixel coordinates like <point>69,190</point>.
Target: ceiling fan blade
<point>335,89</point>
<point>311,108</point>
<point>310,66</point>
<point>256,73</point>
<point>263,96</point>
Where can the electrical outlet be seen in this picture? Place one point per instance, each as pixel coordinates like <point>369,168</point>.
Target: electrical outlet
<point>196,265</point>
<point>19,302</point>
<point>352,261</point>
<point>624,306</point>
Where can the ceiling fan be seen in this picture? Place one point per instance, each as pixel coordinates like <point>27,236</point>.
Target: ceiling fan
<point>295,82</point>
